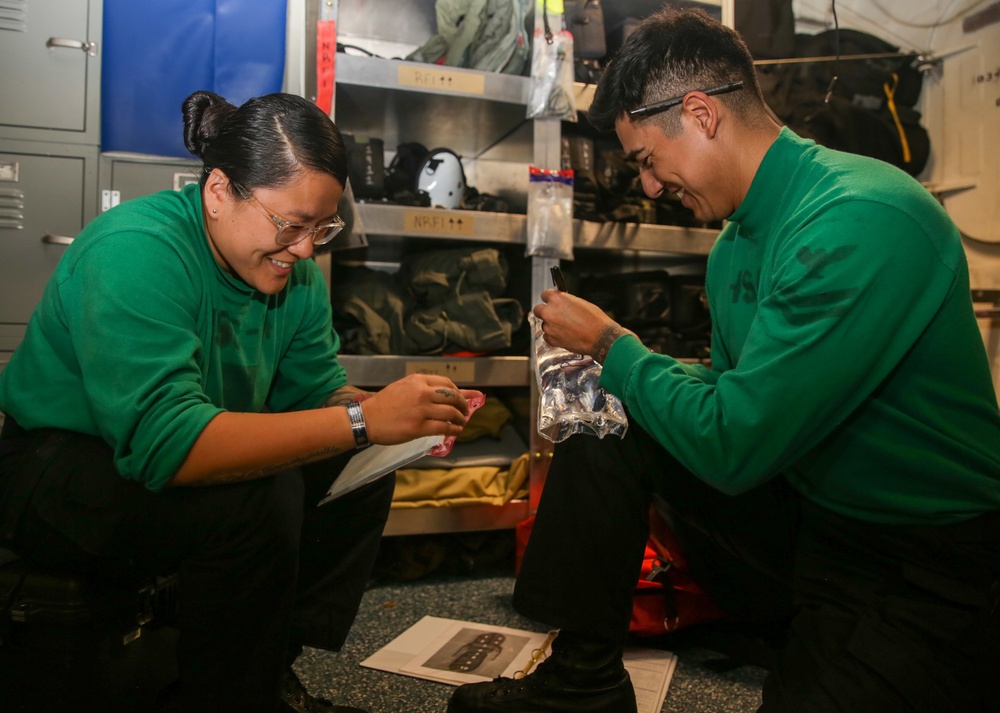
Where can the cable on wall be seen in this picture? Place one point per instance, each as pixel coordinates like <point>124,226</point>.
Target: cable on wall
<point>836,53</point>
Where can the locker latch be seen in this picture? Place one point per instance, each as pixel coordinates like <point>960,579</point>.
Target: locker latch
<point>109,199</point>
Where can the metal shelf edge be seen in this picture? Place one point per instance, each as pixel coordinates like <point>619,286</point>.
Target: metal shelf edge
<point>459,518</point>
<point>442,223</point>
<point>385,74</point>
<point>378,370</point>
<point>643,236</point>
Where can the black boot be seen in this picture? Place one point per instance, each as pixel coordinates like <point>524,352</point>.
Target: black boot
<point>583,675</point>
<point>296,699</point>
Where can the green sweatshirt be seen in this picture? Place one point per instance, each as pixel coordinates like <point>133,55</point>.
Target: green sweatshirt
<point>845,352</point>
<point>142,339</point>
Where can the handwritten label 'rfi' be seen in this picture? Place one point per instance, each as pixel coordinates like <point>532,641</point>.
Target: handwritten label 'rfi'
<point>443,79</point>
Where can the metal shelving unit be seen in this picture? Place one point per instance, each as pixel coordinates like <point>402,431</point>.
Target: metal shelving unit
<point>480,116</point>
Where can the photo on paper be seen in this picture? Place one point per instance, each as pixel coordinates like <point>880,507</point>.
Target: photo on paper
<point>470,654</point>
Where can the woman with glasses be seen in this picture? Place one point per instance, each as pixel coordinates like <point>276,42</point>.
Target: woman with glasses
<point>177,403</point>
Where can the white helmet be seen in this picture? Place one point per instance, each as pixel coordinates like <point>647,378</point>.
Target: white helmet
<point>441,176</point>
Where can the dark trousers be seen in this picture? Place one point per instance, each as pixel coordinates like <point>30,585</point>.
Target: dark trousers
<point>263,571</point>
<point>879,618</point>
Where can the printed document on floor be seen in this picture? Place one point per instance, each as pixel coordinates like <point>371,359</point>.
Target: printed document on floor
<point>456,652</point>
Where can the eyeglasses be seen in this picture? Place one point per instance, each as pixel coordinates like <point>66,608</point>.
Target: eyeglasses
<point>662,106</point>
<point>290,233</point>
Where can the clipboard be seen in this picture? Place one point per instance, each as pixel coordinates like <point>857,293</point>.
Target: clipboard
<point>377,461</point>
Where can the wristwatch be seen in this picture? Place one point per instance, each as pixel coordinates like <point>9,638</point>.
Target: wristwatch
<point>358,428</point>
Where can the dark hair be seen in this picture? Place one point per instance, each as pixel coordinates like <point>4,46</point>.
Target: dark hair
<point>265,142</point>
<point>669,54</point>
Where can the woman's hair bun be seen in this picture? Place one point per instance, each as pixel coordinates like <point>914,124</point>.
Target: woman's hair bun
<point>204,112</point>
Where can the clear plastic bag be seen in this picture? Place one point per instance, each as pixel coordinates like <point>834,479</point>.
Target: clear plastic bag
<point>570,399</point>
<point>550,213</point>
<point>551,95</point>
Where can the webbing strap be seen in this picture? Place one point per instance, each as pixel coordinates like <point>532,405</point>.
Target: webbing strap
<point>890,94</point>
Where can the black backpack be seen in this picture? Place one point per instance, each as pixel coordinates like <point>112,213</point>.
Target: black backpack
<point>871,109</point>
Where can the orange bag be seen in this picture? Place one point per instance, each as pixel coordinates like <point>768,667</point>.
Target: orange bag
<point>667,597</point>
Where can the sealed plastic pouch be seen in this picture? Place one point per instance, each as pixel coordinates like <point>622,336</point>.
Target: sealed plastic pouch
<point>570,398</point>
<point>550,213</point>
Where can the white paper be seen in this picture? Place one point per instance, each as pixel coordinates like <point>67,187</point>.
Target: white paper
<point>376,461</point>
<point>465,652</point>
<point>431,648</point>
<point>651,671</point>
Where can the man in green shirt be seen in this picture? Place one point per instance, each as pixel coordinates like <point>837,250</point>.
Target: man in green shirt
<point>836,471</point>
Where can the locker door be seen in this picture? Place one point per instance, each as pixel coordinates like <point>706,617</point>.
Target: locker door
<point>43,205</point>
<point>130,176</point>
<point>46,65</point>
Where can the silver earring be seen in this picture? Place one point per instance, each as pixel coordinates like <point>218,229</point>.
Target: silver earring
<point>215,210</point>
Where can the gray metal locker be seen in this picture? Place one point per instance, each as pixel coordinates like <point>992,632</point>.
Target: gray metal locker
<point>125,176</point>
<point>46,197</point>
<point>50,54</point>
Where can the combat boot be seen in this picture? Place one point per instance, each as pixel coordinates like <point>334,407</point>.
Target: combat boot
<point>583,675</point>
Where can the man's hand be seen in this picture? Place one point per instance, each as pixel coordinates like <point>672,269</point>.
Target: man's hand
<point>577,325</point>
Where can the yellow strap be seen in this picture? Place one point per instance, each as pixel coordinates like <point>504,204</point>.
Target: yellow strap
<point>890,94</point>
<point>538,655</point>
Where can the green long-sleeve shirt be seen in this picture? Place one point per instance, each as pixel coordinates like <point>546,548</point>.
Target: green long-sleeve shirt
<point>142,339</point>
<point>845,351</point>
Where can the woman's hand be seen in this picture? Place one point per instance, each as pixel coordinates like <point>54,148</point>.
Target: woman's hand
<point>415,406</point>
<point>577,325</point>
